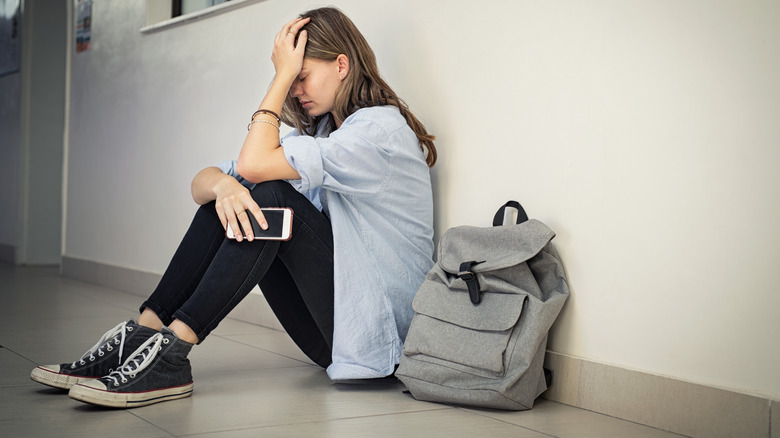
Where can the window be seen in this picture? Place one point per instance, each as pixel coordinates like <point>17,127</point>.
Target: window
<point>183,7</point>
<point>164,14</point>
<point>10,36</point>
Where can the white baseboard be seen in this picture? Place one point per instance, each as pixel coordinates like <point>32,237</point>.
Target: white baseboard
<point>661,402</point>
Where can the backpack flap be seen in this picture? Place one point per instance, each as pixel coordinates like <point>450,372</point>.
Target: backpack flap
<point>499,251</point>
<point>500,247</point>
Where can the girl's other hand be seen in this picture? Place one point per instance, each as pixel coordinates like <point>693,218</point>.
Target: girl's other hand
<point>233,201</point>
<point>286,56</point>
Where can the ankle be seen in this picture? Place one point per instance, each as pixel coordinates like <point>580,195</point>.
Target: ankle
<point>150,319</point>
<point>183,332</point>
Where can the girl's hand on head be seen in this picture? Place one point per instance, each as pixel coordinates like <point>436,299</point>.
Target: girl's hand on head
<point>286,56</point>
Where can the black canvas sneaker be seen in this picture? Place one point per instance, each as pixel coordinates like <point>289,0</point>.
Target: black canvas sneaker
<point>157,371</point>
<point>108,354</point>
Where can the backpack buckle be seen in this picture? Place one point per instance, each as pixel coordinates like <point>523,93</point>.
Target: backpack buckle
<point>465,274</point>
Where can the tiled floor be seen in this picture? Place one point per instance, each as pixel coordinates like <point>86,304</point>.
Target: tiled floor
<point>249,381</point>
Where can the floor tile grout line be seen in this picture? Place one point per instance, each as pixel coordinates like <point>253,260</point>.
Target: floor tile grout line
<point>132,412</point>
<point>35,364</point>
<point>262,349</point>
<point>475,412</point>
<point>329,420</point>
<point>622,419</point>
<point>583,409</point>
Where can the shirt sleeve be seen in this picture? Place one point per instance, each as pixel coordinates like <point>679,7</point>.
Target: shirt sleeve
<point>352,160</point>
<point>228,167</point>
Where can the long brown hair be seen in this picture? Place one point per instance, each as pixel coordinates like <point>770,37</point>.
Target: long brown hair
<point>331,33</point>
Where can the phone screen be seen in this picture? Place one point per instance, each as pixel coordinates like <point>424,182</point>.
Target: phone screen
<point>279,222</point>
<point>275,220</point>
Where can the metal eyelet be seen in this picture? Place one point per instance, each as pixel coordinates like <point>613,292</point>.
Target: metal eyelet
<point>116,341</point>
<point>100,353</point>
<point>124,380</point>
<point>166,340</point>
<point>129,329</point>
<point>109,347</point>
<point>82,362</point>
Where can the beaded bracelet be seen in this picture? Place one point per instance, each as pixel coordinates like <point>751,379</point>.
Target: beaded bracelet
<point>261,121</point>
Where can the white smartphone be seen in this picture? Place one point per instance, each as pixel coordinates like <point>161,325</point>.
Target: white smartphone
<point>279,225</point>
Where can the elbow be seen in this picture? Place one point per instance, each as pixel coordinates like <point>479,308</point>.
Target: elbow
<point>264,167</point>
<point>250,173</point>
<point>195,194</point>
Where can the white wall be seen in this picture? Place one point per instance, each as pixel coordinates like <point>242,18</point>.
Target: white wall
<point>643,132</point>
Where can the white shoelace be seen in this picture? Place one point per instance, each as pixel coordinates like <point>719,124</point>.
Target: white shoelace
<point>105,341</point>
<point>139,360</point>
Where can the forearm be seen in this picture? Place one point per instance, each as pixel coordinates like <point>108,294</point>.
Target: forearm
<point>274,98</point>
<point>261,157</point>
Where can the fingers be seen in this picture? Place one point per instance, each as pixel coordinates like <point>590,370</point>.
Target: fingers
<point>236,218</point>
<point>286,56</point>
<point>236,213</point>
<point>293,27</point>
<point>258,214</point>
<point>243,220</point>
<point>231,218</point>
<point>228,217</point>
<point>302,39</point>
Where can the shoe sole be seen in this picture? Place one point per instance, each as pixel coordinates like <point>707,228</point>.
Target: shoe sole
<point>128,399</point>
<point>56,380</point>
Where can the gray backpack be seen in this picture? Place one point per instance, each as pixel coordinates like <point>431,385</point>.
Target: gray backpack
<point>479,333</point>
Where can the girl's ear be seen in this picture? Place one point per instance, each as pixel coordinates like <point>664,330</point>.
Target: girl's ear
<point>343,64</point>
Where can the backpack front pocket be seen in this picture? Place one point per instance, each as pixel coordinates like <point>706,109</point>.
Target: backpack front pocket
<point>451,328</point>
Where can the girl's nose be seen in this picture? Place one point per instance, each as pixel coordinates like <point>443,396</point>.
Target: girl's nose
<point>295,89</point>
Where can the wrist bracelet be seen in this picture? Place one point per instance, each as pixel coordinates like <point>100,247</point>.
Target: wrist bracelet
<point>262,121</point>
<point>269,112</point>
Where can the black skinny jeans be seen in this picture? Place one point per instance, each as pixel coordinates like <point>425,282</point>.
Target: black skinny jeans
<point>210,274</point>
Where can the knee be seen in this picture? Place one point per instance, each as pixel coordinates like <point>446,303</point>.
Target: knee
<point>272,193</point>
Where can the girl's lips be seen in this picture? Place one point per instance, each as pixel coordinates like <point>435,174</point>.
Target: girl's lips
<point>306,104</point>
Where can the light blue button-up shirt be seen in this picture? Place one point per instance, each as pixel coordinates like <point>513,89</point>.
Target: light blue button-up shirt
<point>371,179</point>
